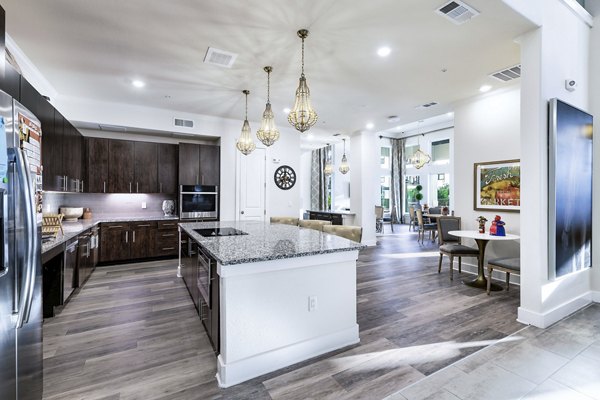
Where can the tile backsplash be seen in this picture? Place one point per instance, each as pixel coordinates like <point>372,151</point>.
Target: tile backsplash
<point>116,204</point>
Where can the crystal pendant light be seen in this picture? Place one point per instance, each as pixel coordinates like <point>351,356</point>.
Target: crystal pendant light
<point>328,170</point>
<point>245,143</point>
<point>302,116</point>
<point>344,167</point>
<point>268,133</point>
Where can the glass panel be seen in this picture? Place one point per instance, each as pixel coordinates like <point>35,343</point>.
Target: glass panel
<point>410,191</point>
<point>385,192</point>
<point>442,189</point>
<point>409,152</point>
<point>440,150</point>
<point>385,157</point>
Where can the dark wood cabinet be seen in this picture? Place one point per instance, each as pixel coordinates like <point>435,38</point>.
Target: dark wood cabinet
<point>189,164</point>
<point>143,237</point>
<point>84,259</point>
<point>52,148</point>
<point>168,161</point>
<point>114,242</point>
<point>145,167</point>
<point>10,83</point>
<point>167,239</point>
<point>199,164</point>
<point>96,175</point>
<point>189,268</point>
<point>30,97</point>
<point>121,173</point>
<point>210,165</point>
<point>73,157</point>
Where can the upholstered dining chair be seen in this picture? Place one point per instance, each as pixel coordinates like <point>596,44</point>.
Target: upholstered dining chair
<point>508,265</point>
<point>425,227</point>
<point>353,233</point>
<point>315,224</point>
<point>412,215</point>
<point>451,246</point>
<point>379,219</point>
<point>285,220</point>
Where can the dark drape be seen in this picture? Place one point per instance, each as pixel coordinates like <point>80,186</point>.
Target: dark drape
<point>318,183</point>
<point>397,181</point>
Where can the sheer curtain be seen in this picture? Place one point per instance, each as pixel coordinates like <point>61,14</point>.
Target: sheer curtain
<point>397,180</point>
<point>318,183</point>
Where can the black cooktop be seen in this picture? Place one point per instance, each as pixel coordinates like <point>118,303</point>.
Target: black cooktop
<point>210,232</point>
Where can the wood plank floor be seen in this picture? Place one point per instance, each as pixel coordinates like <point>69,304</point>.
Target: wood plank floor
<point>132,333</point>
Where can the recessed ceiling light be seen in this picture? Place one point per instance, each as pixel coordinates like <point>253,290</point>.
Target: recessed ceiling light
<point>485,88</point>
<point>450,114</point>
<point>370,125</point>
<point>384,51</point>
<point>393,118</point>
<point>286,110</point>
<point>138,84</point>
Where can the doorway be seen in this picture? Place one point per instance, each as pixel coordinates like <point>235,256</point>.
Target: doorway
<point>251,193</point>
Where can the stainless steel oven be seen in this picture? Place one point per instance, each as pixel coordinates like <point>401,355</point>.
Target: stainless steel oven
<point>198,202</point>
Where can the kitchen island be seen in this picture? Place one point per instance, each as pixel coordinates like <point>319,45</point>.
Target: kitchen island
<point>285,294</point>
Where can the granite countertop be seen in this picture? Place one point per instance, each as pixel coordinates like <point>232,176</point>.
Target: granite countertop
<point>266,242</point>
<point>72,229</point>
<point>340,212</point>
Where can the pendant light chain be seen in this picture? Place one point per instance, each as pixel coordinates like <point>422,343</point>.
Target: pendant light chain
<point>246,105</point>
<point>269,86</point>
<point>302,56</point>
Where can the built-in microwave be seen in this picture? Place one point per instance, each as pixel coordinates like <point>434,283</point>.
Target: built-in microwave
<point>198,202</point>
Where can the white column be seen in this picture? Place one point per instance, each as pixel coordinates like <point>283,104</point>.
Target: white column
<point>595,107</point>
<point>557,50</point>
<point>364,182</point>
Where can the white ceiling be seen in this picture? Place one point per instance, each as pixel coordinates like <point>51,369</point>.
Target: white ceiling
<point>95,49</point>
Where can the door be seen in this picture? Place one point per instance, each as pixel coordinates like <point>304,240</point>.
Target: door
<point>114,242</point>
<point>168,160</point>
<point>210,165</point>
<point>120,166</point>
<point>252,187</point>
<point>189,164</point>
<point>96,165</point>
<point>145,167</point>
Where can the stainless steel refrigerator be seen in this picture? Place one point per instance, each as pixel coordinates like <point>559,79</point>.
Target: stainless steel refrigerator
<point>20,264</point>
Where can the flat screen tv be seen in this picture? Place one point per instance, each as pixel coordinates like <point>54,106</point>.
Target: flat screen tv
<point>569,189</point>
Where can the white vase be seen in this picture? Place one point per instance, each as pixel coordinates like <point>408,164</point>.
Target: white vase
<point>168,207</point>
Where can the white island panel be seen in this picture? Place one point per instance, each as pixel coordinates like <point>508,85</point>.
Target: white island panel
<point>266,323</point>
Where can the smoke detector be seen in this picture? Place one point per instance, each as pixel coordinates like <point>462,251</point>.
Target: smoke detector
<point>457,12</point>
<point>393,118</point>
<point>220,58</point>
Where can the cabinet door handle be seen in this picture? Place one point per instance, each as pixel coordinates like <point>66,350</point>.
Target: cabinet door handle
<point>196,179</point>
<point>82,186</point>
<point>137,187</point>
<point>126,236</point>
<point>139,226</point>
<point>203,179</point>
<point>115,226</point>
<point>104,186</point>
<point>168,234</point>
<point>65,183</point>
<point>129,187</point>
<point>160,187</point>
<point>168,248</point>
<point>133,236</point>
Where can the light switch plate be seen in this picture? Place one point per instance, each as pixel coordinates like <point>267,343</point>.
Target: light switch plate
<point>143,204</point>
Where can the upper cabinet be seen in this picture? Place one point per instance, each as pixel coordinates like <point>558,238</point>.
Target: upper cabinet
<point>145,167</point>
<point>199,164</point>
<point>52,148</point>
<point>121,173</point>
<point>168,160</point>
<point>10,83</point>
<point>96,165</point>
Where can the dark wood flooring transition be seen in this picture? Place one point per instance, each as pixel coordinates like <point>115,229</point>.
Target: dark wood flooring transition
<point>132,333</point>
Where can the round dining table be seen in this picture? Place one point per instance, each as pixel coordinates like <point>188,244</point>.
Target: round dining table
<point>482,240</point>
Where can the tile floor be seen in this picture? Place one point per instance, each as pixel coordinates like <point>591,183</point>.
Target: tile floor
<point>561,362</point>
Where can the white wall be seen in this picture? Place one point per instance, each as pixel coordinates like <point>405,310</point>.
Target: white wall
<point>595,108</point>
<point>364,182</point>
<point>341,195</point>
<point>557,50</point>
<point>486,128</point>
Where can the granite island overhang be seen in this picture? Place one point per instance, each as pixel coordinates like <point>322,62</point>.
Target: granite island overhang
<point>286,294</point>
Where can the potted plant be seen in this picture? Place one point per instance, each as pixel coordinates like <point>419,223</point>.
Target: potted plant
<point>418,194</point>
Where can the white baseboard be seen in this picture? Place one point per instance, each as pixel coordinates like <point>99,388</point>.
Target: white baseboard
<point>370,243</point>
<point>596,296</point>
<point>544,320</point>
<point>260,364</point>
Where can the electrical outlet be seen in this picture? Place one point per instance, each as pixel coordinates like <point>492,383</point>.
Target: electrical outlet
<point>143,204</point>
<point>312,303</point>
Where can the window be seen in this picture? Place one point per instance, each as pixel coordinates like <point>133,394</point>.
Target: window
<point>385,192</point>
<point>410,191</point>
<point>409,152</point>
<point>441,189</point>
<point>385,158</point>
<point>440,151</point>
<point>386,177</point>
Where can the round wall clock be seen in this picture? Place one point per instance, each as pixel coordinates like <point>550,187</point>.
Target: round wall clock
<point>285,177</point>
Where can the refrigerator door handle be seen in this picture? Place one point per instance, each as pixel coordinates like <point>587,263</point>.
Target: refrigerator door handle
<point>6,265</point>
<point>28,281</point>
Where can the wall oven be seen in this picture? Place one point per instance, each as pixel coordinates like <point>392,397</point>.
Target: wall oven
<point>198,202</point>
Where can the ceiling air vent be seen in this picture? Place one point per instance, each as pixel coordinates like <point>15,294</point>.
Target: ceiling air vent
<point>112,128</point>
<point>218,57</point>
<point>183,123</point>
<point>427,105</point>
<point>457,12</point>
<point>508,74</point>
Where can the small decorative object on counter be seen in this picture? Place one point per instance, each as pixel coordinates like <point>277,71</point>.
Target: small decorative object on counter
<point>51,225</point>
<point>497,228</point>
<point>72,214</point>
<point>168,208</point>
<point>482,220</point>
<point>87,213</point>
<point>445,211</point>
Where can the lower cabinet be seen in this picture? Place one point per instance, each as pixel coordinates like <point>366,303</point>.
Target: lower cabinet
<point>84,258</point>
<point>189,268</point>
<point>123,241</point>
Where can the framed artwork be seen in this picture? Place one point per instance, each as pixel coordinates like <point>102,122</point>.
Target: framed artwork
<point>570,202</point>
<point>497,186</point>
